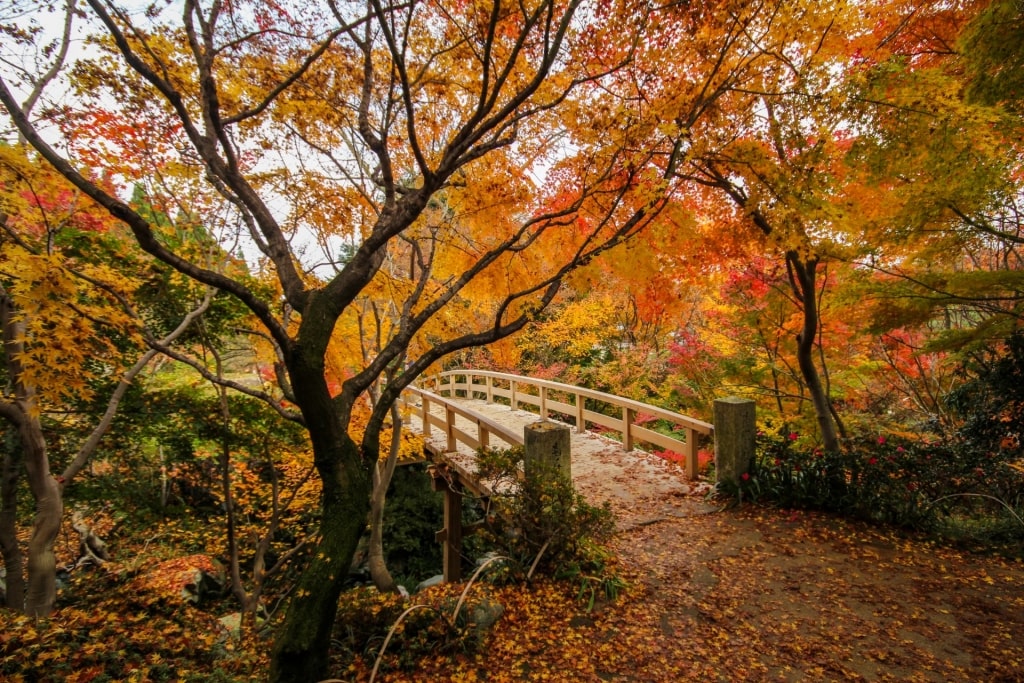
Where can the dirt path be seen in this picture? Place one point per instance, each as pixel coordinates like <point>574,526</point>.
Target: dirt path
<point>757,594</point>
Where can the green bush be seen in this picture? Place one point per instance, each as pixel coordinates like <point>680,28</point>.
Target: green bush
<point>365,618</point>
<point>538,520</point>
<point>925,485</point>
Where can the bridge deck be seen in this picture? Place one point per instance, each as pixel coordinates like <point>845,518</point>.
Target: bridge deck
<point>601,470</point>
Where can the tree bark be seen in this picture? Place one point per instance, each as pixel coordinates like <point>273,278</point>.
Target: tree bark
<point>802,280</point>
<point>383,472</point>
<point>302,645</point>
<point>41,589</point>
<point>10,549</point>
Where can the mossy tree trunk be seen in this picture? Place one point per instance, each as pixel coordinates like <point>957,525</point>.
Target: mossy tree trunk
<point>302,645</point>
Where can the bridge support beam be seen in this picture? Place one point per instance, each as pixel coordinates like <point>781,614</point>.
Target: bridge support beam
<point>735,431</point>
<point>451,536</point>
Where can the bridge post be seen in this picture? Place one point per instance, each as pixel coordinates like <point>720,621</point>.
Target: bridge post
<point>451,535</point>
<point>628,415</point>
<point>735,432</point>
<point>425,404</point>
<point>546,445</point>
<point>449,421</point>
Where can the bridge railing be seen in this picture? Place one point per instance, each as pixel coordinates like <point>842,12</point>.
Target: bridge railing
<point>476,439</point>
<point>570,402</point>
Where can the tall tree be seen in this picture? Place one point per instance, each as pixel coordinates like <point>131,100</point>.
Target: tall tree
<point>775,159</point>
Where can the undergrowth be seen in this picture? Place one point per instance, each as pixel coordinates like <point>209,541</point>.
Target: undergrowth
<point>951,489</point>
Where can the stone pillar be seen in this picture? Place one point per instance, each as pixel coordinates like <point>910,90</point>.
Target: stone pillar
<point>735,431</point>
<point>546,445</point>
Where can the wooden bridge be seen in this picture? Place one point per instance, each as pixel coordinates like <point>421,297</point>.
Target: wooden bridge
<point>466,410</point>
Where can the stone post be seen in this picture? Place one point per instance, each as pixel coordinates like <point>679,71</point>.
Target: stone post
<point>546,444</point>
<point>735,431</point>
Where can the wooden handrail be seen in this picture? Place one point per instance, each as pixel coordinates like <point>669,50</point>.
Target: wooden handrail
<point>625,424</point>
<point>485,427</point>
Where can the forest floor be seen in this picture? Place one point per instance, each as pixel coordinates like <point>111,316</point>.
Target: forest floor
<point>714,593</point>
<point>763,594</point>
<point>751,593</point>
<point>756,594</point>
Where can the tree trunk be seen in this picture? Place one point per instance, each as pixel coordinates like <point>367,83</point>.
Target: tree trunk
<point>41,590</point>
<point>802,280</point>
<point>301,647</point>
<point>383,472</point>
<point>300,652</point>
<point>375,561</point>
<point>14,560</point>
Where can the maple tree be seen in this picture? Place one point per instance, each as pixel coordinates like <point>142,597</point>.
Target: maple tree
<point>67,328</point>
<point>376,165</point>
<point>789,152</point>
<point>66,325</point>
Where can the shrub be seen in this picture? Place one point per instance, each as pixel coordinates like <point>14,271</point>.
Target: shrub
<point>919,484</point>
<point>538,520</point>
<point>443,625</point>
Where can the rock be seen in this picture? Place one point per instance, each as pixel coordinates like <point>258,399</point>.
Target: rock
<point>429,583</point>
<point>232,623</point>
<point>485,614</point>
<point>190,579</point>
<point>485,558</point>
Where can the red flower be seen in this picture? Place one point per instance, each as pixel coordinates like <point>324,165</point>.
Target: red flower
<point>872,461</point>
<point>745,476</point>
<point>793,436</point>
<point>881,440</point>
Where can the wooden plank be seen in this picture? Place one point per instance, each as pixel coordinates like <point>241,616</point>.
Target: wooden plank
<point>603,420</point>
<point>452,555</point>
<point>652,437</point>
<point>690,455</point>
<point>464,437</point>
<point>426,417</point>
<point>466,479</point>
<point>563,408</point>
<point>529,399</point>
